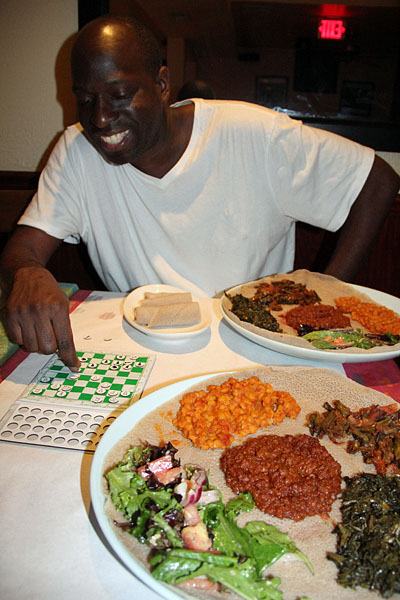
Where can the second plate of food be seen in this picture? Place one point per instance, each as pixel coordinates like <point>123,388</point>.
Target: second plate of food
<point>293,345</point>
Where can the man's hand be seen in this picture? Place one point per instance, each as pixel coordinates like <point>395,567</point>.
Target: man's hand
<point>37,315</point>
<point>37,310</point>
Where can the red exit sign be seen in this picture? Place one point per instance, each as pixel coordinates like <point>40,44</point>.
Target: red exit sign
<point>331,29</point>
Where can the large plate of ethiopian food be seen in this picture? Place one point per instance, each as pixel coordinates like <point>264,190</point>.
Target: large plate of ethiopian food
<point>315,316</point>
<point>275,483</point>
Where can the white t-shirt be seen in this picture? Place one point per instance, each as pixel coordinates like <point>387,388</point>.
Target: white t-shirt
<point>224,214</point>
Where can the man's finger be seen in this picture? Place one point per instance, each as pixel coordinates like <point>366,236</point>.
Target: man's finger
<point>65,344</point>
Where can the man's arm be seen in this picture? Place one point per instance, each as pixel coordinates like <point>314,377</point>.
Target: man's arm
<point>37,310</point>
<point>365,220</point>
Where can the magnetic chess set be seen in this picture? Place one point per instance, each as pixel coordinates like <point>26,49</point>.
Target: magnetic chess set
<point>64,409</point>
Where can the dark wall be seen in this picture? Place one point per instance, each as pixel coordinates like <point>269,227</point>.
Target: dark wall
<point>91,9</point>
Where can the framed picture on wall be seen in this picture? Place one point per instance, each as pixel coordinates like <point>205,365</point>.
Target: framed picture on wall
<point>356,98</point>
<point>271,91</point>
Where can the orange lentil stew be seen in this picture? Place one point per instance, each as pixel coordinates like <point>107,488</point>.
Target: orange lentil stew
<point>374,317</point>
<point>288,476</point>
<point>215,417</point>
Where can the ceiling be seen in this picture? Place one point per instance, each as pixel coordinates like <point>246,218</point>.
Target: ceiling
<point>233,27</point>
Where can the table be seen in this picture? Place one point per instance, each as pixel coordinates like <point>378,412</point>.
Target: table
<point>51,546</point>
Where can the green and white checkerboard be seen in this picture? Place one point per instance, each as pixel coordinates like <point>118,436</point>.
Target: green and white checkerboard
<point>104,378</point>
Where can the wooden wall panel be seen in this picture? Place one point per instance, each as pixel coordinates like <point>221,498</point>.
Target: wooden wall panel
<point>70,263</point>
<point>381,268</point>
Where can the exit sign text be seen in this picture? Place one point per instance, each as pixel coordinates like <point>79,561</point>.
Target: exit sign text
<point>331,29</point>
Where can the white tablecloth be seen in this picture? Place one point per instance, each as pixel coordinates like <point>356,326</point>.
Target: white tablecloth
<point>51,546</point>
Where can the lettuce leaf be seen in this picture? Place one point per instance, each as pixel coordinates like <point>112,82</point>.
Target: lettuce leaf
<point>269,544</point>
<point>176,567</point>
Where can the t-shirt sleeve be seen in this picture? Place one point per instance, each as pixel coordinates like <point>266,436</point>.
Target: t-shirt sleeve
<point>56,206</point>
<point>317,175</point>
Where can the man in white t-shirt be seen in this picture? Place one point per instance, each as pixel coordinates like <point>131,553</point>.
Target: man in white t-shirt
<point>200,194</point>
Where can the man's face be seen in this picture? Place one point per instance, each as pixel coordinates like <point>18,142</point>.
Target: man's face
<point>120,104</point>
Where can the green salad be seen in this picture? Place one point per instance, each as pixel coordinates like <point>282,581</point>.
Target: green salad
<point>336,339</point>
<point>191,533</point>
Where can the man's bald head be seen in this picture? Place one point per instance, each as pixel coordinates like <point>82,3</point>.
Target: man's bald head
<point>122,90</point>
<point>110,33</point>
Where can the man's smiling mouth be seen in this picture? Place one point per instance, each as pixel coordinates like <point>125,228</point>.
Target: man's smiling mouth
<point>115,139</point>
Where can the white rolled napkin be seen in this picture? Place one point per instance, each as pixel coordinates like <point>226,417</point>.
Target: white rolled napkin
<point>167,310</point>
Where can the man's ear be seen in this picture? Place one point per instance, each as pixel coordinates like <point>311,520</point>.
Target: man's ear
<point>163,81</point>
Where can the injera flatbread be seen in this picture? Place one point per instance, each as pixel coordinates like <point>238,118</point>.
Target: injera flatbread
<point>327,288</point>
<point>311,387</point>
